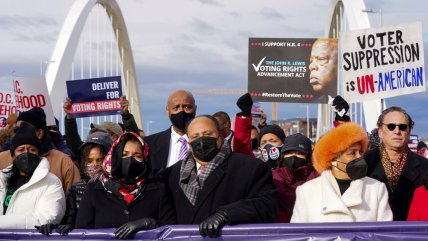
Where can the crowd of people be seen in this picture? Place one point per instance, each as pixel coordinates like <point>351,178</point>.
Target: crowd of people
<point>202,171</point>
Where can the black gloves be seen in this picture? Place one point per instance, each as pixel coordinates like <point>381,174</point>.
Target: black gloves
<point>46,229</point>
<point>341,107</point>
<point>245,103</point>
<point>64,229</point>
<point>212,226</point>
<point>125,231</point>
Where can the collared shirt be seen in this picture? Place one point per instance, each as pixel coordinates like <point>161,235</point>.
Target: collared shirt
<point>174,147</point>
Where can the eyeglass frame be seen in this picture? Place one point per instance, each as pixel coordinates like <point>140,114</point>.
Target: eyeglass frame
<point>401,127</point>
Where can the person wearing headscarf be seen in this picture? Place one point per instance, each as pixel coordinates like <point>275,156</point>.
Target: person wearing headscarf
<point>29,194</point>
<point>294,169</point>
<point>123,196</point>
<point>343,192</point>
<point>90,160</point>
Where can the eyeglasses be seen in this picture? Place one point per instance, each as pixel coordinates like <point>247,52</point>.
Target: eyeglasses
<point>401,127</point>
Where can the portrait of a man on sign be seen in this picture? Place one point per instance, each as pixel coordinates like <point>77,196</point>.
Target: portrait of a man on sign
<point>323,67</point>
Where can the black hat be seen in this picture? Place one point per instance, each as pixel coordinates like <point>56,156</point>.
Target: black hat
<point>421,145</point>
<point>26,134</point>
<point>98,137</point>
<point>35,116</point>
<point>297,142</point>
<point>274,129</point>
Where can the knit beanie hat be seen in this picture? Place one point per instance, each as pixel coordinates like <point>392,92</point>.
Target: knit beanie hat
<point>336,141</point>
<point>298,142</point>
<point>26,134</point>
<point>35,116</point>
<point>274,129</point>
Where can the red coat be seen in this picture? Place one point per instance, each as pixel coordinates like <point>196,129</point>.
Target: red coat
<point>286,183</point>
<point>241,142</point>
<point>419,208</point>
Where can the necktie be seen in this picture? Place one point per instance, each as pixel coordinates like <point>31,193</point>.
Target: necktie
<point>183,149</point>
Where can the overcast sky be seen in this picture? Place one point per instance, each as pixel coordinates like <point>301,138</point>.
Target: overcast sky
<point>194,44</point>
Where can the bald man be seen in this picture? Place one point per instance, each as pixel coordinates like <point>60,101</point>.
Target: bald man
<point>168,147</point>
<point>323,67</point>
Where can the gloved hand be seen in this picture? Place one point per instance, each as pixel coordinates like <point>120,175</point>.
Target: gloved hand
<point>340,106</point>
<point>212,226</point>
<point>64,229</point>
<point>46,229</point>
<point>245,103</point>
<point>125,231</point>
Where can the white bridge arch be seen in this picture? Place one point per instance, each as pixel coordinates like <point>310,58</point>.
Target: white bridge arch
<point>59,67</point>
<point>348,15</point>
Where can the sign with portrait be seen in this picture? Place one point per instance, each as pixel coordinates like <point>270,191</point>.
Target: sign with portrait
<point>295,70</point>
<point>95,97</point>
<point>382,62</point>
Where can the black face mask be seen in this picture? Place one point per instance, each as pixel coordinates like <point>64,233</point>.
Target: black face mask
<point>270,152</point>
<point>204,148</point>
<point>27,162</point>
<point>254,144</point>
<point>292,162</point>
<point>356,169</point>
<point>131,168</point>
<point>180,119</point>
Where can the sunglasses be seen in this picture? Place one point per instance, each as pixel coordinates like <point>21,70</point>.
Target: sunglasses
<point>401,127</point>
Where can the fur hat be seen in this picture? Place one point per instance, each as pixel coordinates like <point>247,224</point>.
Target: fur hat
<point>336,141</point>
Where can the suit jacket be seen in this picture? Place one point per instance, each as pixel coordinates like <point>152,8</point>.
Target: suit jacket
<point>411,178</point>
<point>158,150</point>
<point>242,186</point>
<point>319,200</point>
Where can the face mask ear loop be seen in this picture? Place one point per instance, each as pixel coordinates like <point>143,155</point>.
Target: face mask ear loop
<point>336,166</point>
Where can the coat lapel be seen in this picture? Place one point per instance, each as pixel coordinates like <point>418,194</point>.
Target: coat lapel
<point>408,176</point>
<point>210,184</point>
<point>332,201</point>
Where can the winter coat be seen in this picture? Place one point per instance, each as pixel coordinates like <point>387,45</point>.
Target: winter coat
<point>242,136</point>
<point>319,200</point>
<point>411,178</point>
<point>241,185</point>
<point>41,200</point>
<point>102,209</point>
<point>59,164</point>
<point>287,182</point>
<point>419,209</point>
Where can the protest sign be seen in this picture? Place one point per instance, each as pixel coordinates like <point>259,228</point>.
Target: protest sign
<point>32,92</point>
<point>7,106</point>
<point>95,97</point>
<point>292,69</point>
<point>382,62</point>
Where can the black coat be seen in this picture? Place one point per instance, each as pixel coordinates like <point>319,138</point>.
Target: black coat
<point>242,186</point>
<point>158,150</point>
<point>411,178</point>
<point>101,209</point>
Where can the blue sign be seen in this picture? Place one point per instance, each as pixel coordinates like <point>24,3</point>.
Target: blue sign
<point>95,97</point>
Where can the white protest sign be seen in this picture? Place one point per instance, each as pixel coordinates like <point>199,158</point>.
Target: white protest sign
<point>32,92</point>
<point>7,106</point>
<point>382,62</point>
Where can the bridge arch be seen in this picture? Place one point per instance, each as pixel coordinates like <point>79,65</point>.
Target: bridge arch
<point>59,68</point>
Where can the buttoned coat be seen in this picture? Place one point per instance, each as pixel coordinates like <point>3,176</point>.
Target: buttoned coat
<point>241,185</point>
<point>319,200</point>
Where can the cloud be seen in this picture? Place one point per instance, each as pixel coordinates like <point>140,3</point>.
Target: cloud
<point>271,13</point>
<point>202,26</point>
<point>210,2</point>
